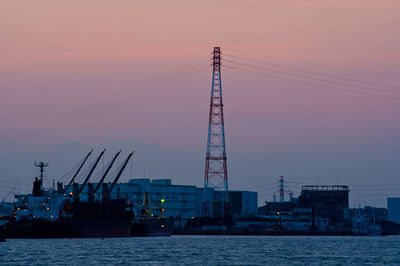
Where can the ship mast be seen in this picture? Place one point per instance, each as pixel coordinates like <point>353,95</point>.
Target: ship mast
<point>37,184</point>
<point>41,165</point>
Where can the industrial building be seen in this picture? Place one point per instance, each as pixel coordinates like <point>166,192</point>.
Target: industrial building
<point>274,207</point>
<point>180,200</point>
<point>327,201</point>
<point>320,207</point>
<point>330,202</point>
<point>372,213</point>
<point>241,203</point>
<point>297,221</point>
<point>393,205</point>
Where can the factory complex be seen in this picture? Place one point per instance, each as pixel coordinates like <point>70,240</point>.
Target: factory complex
<point>179,200</point>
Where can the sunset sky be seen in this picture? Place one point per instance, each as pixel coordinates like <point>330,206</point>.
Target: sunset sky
<point>98,72</point>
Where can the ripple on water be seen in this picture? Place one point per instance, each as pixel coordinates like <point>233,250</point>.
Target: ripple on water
<point>204,250</point>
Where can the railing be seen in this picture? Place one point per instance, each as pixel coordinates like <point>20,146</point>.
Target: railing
<point>326,188</point>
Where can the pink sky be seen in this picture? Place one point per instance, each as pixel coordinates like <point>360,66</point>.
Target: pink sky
<point>58,56</point>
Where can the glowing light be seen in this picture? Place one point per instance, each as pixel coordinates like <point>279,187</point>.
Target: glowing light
<point>162,200</point>
<point>48,208</point>
<point>278,213</point>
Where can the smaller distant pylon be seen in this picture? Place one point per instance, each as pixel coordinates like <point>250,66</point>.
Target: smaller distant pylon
<point>281,190</point>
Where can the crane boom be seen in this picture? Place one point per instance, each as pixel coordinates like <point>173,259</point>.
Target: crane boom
<point>106,172</point>
<point>79,169</point>
<point>91,171</point>
<point>118,176</point>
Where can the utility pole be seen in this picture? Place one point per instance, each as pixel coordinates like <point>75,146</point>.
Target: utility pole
<point>281,190</point>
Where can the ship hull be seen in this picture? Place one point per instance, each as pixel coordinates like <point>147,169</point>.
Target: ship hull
<point>71,228</point>
<point>151,227</point>
<point>109,218</point>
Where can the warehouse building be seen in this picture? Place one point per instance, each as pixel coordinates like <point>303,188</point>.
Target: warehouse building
<point>328,201</point>
<point>179,200</point>
<point>241,203</point>
<point>393,205</point>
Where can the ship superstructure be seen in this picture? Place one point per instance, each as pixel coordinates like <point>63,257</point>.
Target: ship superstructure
<point>150,224</point>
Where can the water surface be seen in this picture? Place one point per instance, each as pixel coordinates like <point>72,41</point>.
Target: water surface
<point>204,250</point>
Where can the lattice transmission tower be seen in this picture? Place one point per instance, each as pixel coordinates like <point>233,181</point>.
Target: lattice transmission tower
<point>216,177</point>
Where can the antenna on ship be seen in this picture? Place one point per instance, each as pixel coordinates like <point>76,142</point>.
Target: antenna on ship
<point>37,184</point>
<point>41,165</point>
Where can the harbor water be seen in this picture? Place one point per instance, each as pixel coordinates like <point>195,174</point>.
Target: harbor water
<point>204,250</point>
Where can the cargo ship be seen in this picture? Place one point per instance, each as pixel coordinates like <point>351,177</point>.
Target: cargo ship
<point>105,219</point>
<point>149,224</point>
<point>152,227</point>
<point>62,214</point>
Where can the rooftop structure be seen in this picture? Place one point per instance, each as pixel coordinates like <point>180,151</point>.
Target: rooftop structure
<point>325,188</point>
<point>327,201</point>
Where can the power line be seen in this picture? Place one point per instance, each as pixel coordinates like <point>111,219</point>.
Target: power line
<point>311,72</point>
<point>13,182</point>
<point>312,78</point>
<point>263,185</point>
<point>268,189</point>
<point>105,100</point>
<point>377,189</point>
<point>316,64</point>
<point>350,185</point>
<point>73,169</point>
<point>267,193</point>
<point>75,112</point>
<point>375,185</point>
<point>376,194</point>
<point>111,105</point>
<point>312,83</point>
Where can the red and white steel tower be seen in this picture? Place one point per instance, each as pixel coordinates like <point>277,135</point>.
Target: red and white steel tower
<point>216,176</point>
